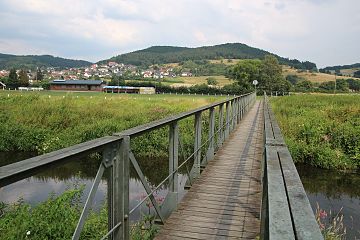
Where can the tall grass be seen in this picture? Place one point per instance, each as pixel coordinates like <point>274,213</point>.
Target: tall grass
<point>321,130</point>
<point>44,123</point>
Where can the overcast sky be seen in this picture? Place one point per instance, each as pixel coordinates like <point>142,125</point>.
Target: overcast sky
<point>326,32</point>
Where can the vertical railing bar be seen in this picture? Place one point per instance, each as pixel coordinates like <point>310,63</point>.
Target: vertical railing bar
<point>221,120</point>
<point>210,152</point>
<point>88,202</point>
<point>227,119</point>
<point>197,156</point>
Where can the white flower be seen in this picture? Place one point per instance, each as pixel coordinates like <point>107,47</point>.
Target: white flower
<point>28,233</point>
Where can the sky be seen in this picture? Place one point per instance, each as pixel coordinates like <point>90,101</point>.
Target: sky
<point>326,32</point>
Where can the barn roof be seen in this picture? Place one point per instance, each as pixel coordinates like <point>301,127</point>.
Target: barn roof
<point>76,82</point>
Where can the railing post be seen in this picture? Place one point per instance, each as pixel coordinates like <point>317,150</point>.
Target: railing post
<point>173,156</point>
<point>171,199</point>
<point>227,123</point>
<point>210,151</point>
<point>118,196</point>
<point>124,151</point>
<point>232,116</point>
<point>197,156</point>
<point>221,125</point>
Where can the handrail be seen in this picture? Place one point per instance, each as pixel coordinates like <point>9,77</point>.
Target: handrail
<point>117,156</point>
<point>286,212</point>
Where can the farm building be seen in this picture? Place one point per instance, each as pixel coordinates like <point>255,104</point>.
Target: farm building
<point>77,85</point>
<point>126,89</point>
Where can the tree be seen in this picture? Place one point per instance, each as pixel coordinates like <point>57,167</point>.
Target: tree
<point>245,72</point>
<point>353,84</point>
<point>211,81</point>
<point>39,75</point>
<point>293,78</point>
<point>23,78</point>
<point>304,86</point>
<point>117,81</point>
<point>13,80</point>
<point>271,78</point>
<point>357,74</point>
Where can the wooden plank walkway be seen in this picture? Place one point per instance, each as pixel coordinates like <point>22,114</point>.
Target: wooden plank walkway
<point>224,203</point>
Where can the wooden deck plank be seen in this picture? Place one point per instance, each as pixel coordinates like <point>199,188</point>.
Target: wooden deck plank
<point>224,203</point>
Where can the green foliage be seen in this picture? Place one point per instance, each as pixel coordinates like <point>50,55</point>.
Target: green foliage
<point>57,217</point>
<point>23,78</point>
<point>323,131</point>
<point>13,80</point>
<point>168,54</point>
<point>304,86</point>
<point>357,74</point>
<point>32,62</point>
<point>117,81</point>
<point>354,84</point>
<point>212,81</point>
<point>39,75</point>
<point>268,72</point>
<point>294,79</point>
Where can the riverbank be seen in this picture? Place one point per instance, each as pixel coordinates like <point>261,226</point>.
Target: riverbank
<point>321,130</point>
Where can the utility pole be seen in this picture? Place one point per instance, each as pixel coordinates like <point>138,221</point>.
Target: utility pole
<point>335,84</point>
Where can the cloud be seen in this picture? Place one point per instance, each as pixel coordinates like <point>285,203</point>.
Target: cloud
<point>318,30</point>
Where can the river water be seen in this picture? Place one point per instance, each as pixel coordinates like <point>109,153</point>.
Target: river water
<point>330,189</point>
<point>83,171</point>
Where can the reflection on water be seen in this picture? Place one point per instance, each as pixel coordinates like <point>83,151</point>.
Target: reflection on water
<point>37,188</point>
<point>334,191</point>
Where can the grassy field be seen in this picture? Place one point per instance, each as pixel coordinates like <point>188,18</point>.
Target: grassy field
<point>48,121</point>
<point>321,130</point>
<point>312,77</point>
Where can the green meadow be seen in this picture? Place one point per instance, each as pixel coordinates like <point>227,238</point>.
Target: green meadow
<point>48,121</point>
<point>321,130</point>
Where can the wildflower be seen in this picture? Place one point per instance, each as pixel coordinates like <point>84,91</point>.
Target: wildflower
<point>28,233</point>
<point>323,214</point>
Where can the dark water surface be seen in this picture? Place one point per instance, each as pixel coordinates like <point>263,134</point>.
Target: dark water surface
<point>334,191</point>
<point>83,171</point>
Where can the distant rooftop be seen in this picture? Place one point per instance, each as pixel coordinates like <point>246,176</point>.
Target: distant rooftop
<point>76,82</point>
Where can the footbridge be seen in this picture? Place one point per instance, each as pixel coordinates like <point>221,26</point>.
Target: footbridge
<point>241,180</point>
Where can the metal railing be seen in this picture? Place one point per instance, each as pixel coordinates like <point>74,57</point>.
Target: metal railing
<point>117,156</point>
<point>286,212</point>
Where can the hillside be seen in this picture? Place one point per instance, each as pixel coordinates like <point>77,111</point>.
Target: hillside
<point>169,54</point>
<point>346,70</point>
<point>316,77</point>
<point>8,61</point>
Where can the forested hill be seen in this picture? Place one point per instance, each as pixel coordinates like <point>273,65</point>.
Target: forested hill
<point>8,61</point>
<point>340,67</point>
<point>168,54</point>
